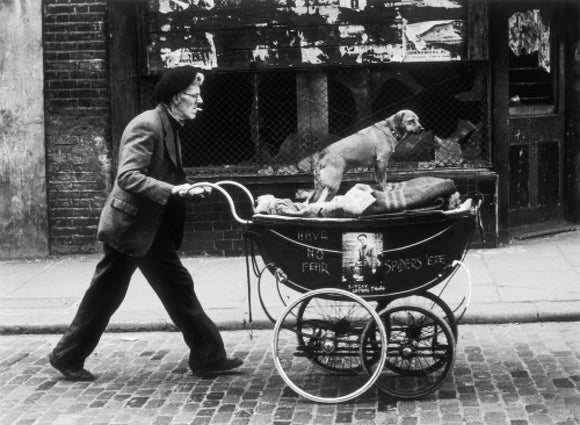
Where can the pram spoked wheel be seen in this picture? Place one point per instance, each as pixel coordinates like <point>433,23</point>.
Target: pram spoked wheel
<point>420,351</point>
<point>428,301</point>
<point>317,345</point>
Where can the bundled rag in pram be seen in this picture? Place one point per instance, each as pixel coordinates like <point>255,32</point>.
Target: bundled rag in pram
<point>362,200</point>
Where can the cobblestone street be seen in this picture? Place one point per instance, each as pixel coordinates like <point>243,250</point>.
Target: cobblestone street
<point>504,374</point>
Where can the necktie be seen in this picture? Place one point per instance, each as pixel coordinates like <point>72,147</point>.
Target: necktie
<point>178,153</point>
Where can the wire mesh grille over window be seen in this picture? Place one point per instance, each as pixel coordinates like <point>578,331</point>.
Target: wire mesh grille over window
<point>266,122</point>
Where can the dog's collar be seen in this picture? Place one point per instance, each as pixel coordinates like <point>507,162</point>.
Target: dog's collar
<point>397,135</point>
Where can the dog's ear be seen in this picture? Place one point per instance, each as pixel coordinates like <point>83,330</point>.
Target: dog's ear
<point>394,121</point>
<point>391,123</point>
<point>399,117</point>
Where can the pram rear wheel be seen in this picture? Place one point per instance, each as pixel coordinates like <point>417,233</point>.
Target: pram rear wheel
<point>420,352</point>
<point>317,345</point>
<point>428,301</point>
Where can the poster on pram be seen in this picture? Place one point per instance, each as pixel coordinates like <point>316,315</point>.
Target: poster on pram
<point>361,259</point>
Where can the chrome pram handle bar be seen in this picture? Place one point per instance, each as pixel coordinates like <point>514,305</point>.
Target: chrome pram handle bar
<point>218,186</point>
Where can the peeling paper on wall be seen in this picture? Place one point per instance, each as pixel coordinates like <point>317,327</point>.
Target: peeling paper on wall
<point>528,33</point>
<point>202,54</point>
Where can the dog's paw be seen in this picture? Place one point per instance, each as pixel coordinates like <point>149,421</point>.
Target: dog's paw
<point>303,194</point>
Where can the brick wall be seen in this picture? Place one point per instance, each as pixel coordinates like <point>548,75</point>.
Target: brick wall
<point>210,228</point>
<point>77,115</point>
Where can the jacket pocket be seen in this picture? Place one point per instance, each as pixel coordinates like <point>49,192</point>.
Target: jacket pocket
<point>124,206</point>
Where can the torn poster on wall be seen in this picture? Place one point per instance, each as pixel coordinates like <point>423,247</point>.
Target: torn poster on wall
<point>248,34</point>
<point>529,33</point>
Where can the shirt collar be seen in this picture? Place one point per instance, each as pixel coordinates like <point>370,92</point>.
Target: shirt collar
<point>175,124</point>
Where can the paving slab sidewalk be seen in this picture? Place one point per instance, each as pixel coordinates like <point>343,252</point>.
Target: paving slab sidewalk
<point>526,281</point>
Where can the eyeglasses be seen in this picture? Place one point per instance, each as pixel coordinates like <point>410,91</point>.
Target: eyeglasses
<point>195,96</point>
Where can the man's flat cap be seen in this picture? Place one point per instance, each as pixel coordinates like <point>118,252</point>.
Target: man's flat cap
<point>176,80</point>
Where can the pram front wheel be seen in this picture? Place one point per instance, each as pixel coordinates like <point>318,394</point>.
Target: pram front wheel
<point>337,363</point>
<point>420,351</point>
<point>317,345</point>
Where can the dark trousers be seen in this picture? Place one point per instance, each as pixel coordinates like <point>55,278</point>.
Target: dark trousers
<point>173,285</point>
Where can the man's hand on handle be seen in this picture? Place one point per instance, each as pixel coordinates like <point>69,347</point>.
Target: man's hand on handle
<point>189,192</point>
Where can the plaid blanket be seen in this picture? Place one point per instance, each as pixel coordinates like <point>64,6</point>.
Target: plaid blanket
<point>421,192</point>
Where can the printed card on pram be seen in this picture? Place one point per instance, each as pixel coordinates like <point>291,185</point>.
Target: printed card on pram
<point>361,261</point>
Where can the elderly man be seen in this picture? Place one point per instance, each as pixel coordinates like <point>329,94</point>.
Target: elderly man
<point>141,226</point>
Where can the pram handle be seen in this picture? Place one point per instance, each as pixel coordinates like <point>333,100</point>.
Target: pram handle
<point>218,186</point>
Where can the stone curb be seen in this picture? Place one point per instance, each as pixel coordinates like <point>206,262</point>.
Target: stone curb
<point>35,329</point>
<point>545,311</point>
<point>480,314</point>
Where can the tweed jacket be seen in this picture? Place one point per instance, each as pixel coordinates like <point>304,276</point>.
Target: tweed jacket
<point>368,256</point>
<point>148,169</point>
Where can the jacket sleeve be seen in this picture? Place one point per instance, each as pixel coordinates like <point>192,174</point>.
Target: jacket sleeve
<point>138,145</point>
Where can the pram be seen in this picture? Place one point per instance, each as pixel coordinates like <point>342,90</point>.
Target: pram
<point>346,331</point>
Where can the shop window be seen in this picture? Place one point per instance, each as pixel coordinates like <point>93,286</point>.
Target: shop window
<point>221,134</point>
<point>244,122</point>
<point>341,108</point>
<point>393,95</point>
<point>531,70</point>
<point>276,111</point>
<point>266,123</point>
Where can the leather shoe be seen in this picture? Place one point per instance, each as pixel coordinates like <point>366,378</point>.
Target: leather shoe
<point>218,366</point>
<point>71,374</point>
